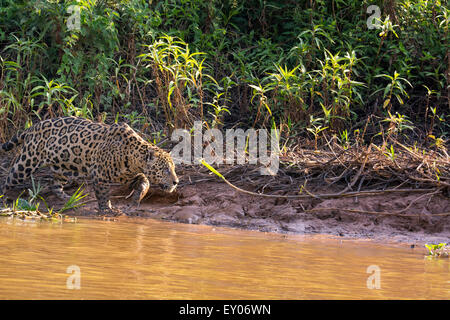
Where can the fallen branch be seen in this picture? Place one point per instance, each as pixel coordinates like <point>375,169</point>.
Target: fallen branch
<point>311,195</point>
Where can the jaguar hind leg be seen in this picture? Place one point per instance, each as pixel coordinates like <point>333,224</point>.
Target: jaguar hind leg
<point>20,171</point>
<point>60,178</point>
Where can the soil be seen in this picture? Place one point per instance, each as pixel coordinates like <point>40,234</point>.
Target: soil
<point>203,198</point>
<point>213,202</point>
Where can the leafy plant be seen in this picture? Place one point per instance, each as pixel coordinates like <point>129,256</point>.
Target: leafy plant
<point>440,250</point>
<point>397,124</point>
<point>178,77</point>
<point>394,88</point>
<point>316,127</point>
<point>344,139</point>
<point>74,201</point>
<point>159,63</point>
<point>391,153</point>
<point>35,190</point>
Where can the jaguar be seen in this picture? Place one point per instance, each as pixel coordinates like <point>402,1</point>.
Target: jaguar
<point>77,148</point>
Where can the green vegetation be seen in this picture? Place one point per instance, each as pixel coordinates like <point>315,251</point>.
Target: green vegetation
<point>74,201</point>
<point>440,250</point>
<point>311,68</point>
<point>29,208</point>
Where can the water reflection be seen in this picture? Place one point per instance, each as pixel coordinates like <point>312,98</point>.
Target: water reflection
<point>148,259</point>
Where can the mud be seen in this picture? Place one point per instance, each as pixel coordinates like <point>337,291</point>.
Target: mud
<point>215,203</point>
<point>205,199</point>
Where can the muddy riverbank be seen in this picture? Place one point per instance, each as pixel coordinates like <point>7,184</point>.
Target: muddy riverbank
<point>212,202</point>
<point>413,216</point>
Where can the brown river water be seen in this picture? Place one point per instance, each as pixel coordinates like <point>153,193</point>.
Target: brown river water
<point>151,259</point>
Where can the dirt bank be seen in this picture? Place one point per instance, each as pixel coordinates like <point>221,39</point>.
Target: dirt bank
<point>212,202</point>
<point>413,216</point>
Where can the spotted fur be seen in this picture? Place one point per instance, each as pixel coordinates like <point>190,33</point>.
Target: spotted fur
<point>78,148</point>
